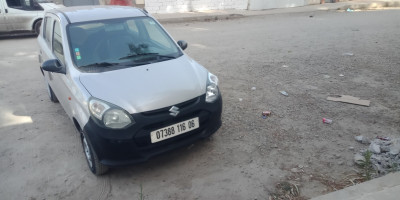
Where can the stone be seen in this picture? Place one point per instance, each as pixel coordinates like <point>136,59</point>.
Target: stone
<point>351,148</point>
<point>378,168</point>
<point>340,163</point>
<point>394,150</point>
<point>376,157</point>
<point>361,139</point>
<point>385,149</point>
<point>295,170</point>
<point>374,148</point>
<point>359,159</point>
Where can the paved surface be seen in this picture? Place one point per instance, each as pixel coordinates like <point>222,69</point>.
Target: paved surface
<point>383,188</point>
<point>41,155</point>
<point>232,14</point>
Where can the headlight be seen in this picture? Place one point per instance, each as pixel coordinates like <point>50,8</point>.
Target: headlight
<point>212,92</point>
<point>109,115</point>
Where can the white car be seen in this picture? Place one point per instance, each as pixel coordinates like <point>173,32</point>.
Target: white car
<point>23,15</point>
<point>130,90</point>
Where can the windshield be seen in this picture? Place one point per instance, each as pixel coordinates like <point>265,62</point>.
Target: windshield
<point>119,43</point>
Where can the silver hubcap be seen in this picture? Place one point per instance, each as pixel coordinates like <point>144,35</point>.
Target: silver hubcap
<point>87,152</point>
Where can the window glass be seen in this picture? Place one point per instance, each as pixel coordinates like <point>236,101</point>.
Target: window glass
<point>132,26</point>
<point>57,42</point>
<point>48,29</point>
<point>155,32</point>
<point>119,43</point>
<point>14,4</point>
<point>24,4</point>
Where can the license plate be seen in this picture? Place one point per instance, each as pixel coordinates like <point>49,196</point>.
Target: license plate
<point>174,130</point>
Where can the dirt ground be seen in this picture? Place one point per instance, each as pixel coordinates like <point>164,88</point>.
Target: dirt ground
<point>41,155</point>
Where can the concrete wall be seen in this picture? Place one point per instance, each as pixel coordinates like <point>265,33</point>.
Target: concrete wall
<point>171,6</point>
<point>268,4</point>
<point>311,2</point>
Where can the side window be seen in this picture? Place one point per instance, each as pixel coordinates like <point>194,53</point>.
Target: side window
<point>48,30</point>
<point>14,4</point>
<point>57,42</point>
<point>24,4</point>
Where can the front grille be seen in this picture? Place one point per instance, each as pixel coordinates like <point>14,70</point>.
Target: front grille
<point>181,106</point>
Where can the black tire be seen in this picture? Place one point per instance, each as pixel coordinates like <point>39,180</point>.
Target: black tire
<point>52,96</point>
<point>91,157</point>
<point>37,27</point>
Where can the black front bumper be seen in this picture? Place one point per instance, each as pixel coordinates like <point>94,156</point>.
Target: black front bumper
<point>133,144</point>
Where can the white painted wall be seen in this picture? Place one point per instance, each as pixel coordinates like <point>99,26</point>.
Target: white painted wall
<point>268,4</point>
<point>171,6</point>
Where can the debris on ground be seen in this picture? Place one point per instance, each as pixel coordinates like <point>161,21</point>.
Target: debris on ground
<point>253,88</point>
<point>348,54</point>
<point>265,114</point>
<point>286,190</point>
<point>284,93</point>
<point>362,139</point>
<point>285,66</point>
<point>385,156</point>
<point>327,76</point>
<point>240,99</point>
<point>326,121</point>
<point>349,99</point>
<point>349,10</point>
<point>341,75</point>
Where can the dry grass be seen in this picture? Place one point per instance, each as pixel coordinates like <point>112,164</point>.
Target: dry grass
<point>286,191</point>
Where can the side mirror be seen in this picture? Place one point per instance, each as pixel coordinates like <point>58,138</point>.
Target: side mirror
<point>182,44</point>
<point>53,65</point>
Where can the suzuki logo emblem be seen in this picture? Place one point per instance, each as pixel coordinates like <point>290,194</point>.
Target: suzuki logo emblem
<point>174,111</point>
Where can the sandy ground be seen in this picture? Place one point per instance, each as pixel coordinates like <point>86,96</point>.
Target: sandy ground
<point>41,155</point>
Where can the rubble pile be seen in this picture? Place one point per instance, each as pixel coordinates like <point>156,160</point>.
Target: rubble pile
<point>385,156</point>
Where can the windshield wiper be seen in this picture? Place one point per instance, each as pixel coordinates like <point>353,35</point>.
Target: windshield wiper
<point>147,54</point>
<point>101,64</point>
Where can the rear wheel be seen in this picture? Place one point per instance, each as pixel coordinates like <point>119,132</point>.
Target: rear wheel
<point>91,157</point>
<point>37,27</point>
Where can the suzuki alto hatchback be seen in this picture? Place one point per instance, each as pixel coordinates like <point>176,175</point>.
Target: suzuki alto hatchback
<point>128,87</point>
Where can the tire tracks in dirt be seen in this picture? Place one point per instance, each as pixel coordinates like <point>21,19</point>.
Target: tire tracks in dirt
<point>105,187</point>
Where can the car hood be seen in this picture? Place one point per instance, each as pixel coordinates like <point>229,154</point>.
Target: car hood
<point>148,87</point>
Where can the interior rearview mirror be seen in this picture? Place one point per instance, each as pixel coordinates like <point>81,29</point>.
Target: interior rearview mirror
<point>183,44</point>
<point>53,65</point>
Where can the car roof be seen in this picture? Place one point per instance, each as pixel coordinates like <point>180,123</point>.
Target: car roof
<point>93,13</point>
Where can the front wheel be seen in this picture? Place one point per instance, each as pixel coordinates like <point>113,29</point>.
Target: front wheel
<point>91,157</point>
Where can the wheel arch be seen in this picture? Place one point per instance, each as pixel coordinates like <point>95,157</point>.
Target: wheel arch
<point>36,21</point>
<point>76,124</point>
